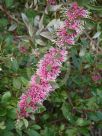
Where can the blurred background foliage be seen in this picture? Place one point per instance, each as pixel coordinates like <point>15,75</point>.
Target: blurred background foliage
<point>75,108</point>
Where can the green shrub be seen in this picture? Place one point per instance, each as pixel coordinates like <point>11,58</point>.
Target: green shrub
<point>75,108</point>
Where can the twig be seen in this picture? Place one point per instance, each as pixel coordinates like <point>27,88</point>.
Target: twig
<point>70,101</point>
<point>8,15</point>
<point>88,37</point>
<point>92,133</point>
<point>58,121</point>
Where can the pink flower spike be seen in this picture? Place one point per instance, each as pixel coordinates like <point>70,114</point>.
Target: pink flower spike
<point>49,67</point>
<point>37,92</point>
<point>73,25</point>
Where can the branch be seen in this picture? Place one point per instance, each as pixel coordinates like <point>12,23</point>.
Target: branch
<point>8,15</point>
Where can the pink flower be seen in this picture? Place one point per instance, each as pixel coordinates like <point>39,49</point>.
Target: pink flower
<point>96,77</point>
<point>37,92</point>
<point>23,49</point>
<point>59,55</point>
<point>73,25</point>
<point>76,12</point>
<point>65,40</point>
<point>48,69</point>
<point>36,80</point>
<point>76,26</point>
<point>52,2</point>
<point>49,66</point>
<point>39,87</point>
<point>64,37</point>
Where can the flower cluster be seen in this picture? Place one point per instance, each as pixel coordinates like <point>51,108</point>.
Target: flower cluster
<point>73,25</point>
<point>52,2</point>
<point>23,49</point>
<point>48,70</point>
<point>49,66</point>
<point>38,91</point>
<point>96,77</point>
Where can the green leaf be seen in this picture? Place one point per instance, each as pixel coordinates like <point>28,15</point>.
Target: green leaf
<point>92,7</point>
<point>84,131</point>
<point>24,80</point>
<point>28,99</point>
<point>54,84</point>
<point>2,112</point>
<point>40,42</point>
<point>92,116</point>
<point>47,35</point>
<point>29,110</point>
<point>99,115</point>
<point>3,22</point>
<point>38,80</point>
<point>12,27</point>
<point>32,132</point>
<point>89,58</point>
<point>19,124</point>
<point>82,122</point>
<point>10,125</point>
<point>36,127</point>
<point>25,19</point>
<point>8,133</point>
<point>6,97</point>
<point>66,110</point>
<point>9,3</point>
<point>83,2</point>
<point>11,113</point>
<point>99,66</point>
<point>70,31</point>
<point>96,35</point>
<point>15,65</point>
<point>25,123</point>
<point>49,131</point>
<point>40,109</point>
<point>2,125</point>
<point>54,8</point>
<point>16,83</point>
<point>49,67</point>
<point>71,132</point>
<point>91,103</point>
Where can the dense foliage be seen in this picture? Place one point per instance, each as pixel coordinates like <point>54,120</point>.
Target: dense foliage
<point>26,33</point>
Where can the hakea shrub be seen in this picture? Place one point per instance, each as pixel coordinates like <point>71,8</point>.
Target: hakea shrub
<point>49,67</point>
